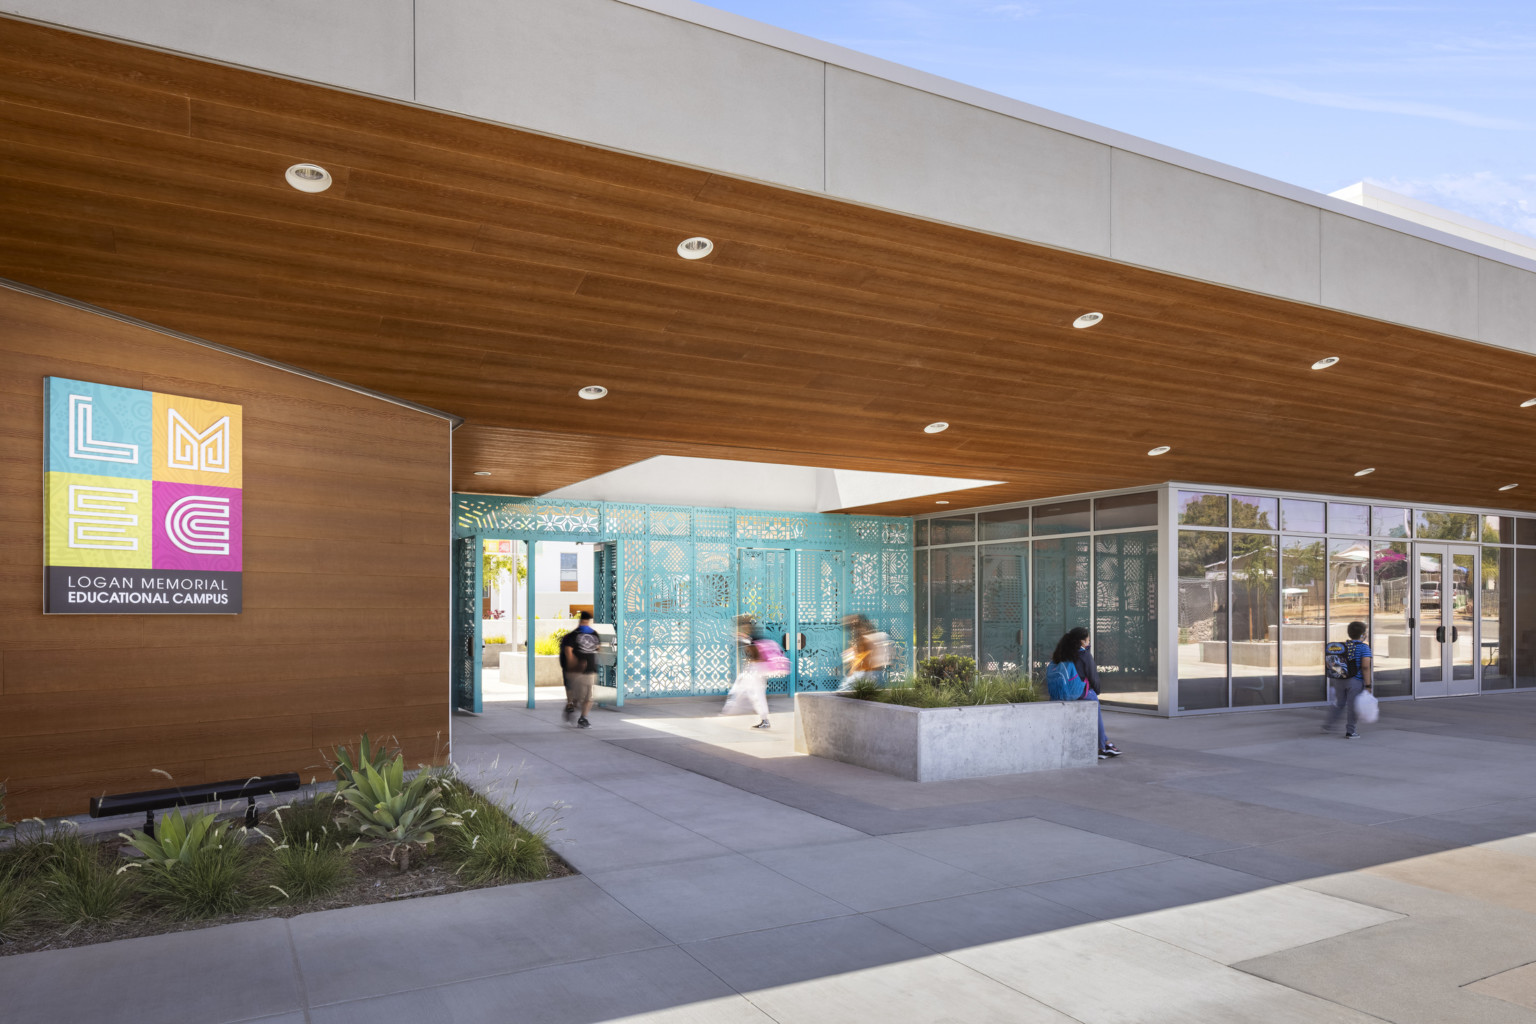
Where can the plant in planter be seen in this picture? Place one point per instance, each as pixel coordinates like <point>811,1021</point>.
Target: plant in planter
<point>387,809</point>
<point>949,668</point>
<point>194,868</point>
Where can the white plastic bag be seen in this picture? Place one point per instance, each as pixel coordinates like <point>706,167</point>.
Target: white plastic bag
<point>1367,709</point>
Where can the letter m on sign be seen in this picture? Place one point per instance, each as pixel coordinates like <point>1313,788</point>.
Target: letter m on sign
<point>188,448</point>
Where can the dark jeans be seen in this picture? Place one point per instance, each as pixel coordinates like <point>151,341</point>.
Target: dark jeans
<point>1344,693</point>
<point>1088,694</point>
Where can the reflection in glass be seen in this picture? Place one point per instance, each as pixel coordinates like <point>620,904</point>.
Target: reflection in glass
<point>1497,644</point>
<point>952,612</point>
<point>1497,528</point>
<point>1354,520</point>
<point>1060,595</point>
<point>920,608</point>
<point>1250,512</point>
<point>952,529</point>
<point>1202,620</point>
<point>1303,619</point>
<point>1525,617</point>
<point>1390,638</point>
<point>920,535</point>
<point>1445,525</point>
<point>1255,618</point>
<point>1349,588</point>
<point>1525,531</point>
<point>1389,521</point>
<point>1463,645</point>
<point>1062,517</point>
<point>1431,592</point>
<point>1300,516</point>
<point>1004,607</point>
<point>1004,523</point>
<point>1199,508</point>
<point>1125,617</point>
<point>1125,510</point>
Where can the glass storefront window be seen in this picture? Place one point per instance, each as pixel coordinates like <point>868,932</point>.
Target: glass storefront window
<point>920,535</point>
<point>1390,638</point>
<point>952,529</point>
<point>1004,523</point>
<point>1200,508</point>
<point>1125,618</point>
<point>1445,525</point>
<point>1060,598</point>
<point>1525,531</point>
<point>1389,521</point>
<point>1525,617</point>
<point>1063,517</point>
<point>1496,652</point>
<point>1300,516</point>
<point>1303,619</point>
<point>1125,510</point>
<point>1004,607</point>
<point>1498,529</point>
<point>952,605</point>
<point>1202,620</point>
<point>1349,586</point>
<point>1354,520</point>
<point>1255,618</point>
<point>1250,512</point>
<point>920,606</point>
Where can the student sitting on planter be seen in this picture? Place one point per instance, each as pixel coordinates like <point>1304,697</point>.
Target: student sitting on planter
<point>1069,677</point>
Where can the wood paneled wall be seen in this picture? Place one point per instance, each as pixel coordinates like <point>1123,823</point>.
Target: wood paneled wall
<point>346,579</point>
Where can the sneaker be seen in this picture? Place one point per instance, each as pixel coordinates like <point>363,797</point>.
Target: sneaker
<point>1351,735</point>
<point>1103,756</point>
<point>764,724</point>
<point>582,723</point>
<point>570,713</point>
<point>1110,750</point>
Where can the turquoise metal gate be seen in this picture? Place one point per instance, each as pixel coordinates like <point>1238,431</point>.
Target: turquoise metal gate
<point>681,581</point>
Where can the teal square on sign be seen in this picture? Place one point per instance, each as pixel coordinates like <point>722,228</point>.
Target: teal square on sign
<point>100,430</point>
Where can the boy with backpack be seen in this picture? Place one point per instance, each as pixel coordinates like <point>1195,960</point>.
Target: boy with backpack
<point>1348,667</point>
<point>760,660</point>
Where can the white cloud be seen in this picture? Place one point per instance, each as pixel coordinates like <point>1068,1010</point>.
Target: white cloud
<point>1508,201</point>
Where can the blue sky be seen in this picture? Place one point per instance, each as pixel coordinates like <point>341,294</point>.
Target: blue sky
<point>1437,100</point>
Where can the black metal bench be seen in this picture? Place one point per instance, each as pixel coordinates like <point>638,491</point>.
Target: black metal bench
<point>151,800</point>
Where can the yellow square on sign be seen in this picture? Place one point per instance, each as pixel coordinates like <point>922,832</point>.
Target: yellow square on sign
<point>197,441</point>
<point>99,521</point>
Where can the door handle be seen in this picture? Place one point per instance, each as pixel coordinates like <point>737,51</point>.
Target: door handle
<point>800,641</point>
<point>1412,622</point>
<point>784,642</point>
<point>1439,634</point>
<point>1018,638</point>
<point>1454,634</point>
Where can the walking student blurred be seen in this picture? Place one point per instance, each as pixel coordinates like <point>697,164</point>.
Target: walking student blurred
<point>868,655</point>
<point>758,660</point>
<point>578,663</point>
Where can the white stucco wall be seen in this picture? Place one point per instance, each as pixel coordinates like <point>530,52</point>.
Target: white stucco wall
<point>682,82</point>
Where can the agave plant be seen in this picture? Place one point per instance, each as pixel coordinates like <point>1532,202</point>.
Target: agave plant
<point>346,769</point>
<point>178,841</point>
<point>383,806</point>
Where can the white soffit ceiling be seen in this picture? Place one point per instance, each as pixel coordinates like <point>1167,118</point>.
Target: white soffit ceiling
<point>721,483</point>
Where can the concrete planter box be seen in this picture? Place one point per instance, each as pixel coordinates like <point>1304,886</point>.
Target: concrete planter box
<point>546,669</point>
<point>490,654</point>
<point>934,744</point>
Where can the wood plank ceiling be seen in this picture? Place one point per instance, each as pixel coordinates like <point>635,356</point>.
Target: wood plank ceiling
<point>492,272</point>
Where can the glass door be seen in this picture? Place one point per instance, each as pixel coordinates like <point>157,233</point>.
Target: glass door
<point>762,590</point>
<point>1004,607</point>
<point>816,649</point>
<point>1445,625</point>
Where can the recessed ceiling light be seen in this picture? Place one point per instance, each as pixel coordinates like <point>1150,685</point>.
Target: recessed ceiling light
<point>695,248</point>
<point>1325,362</point>
<point>941,503</point>
<point>1509,487</point>
<point>1365,472</point>
<point>308,177</point>
<point>1528,403</point>
<point>936,428</point>
<point>482,472</point>
<point>1087,320</point>
<point>1161,449</point>
<point>592,392</point>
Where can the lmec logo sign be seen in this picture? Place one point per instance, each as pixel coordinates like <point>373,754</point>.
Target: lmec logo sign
<point>143,496</point>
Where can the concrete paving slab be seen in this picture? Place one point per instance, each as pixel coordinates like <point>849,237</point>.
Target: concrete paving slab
<point>662,986</point>
<point>215,975</point>
<point>734,819</point>
<point>856,970</point>
<point>1147,887</point>
<point>1266,863</point>
<point>1350,847</point>
<point>1516,986</point>
<point>1133,830</point>
<point>600,831</point>
<point>1490,875</point>
<point>1105,973</point>
<point>1258,923</point>
<point>713,896</point>
<point>358,952</point>
<point>871,874</point>
<point>1027,851</point>
<point>974,920</point>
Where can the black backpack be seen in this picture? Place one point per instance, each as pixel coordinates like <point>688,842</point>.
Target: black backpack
<point>1339,660</point>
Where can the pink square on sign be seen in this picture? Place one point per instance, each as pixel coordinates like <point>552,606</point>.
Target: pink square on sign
<point>197,527</point>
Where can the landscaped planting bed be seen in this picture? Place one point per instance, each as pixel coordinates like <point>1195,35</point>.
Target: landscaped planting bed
<point>378,837</point>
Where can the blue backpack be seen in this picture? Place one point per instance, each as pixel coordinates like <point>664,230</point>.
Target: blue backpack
<point>1062,681</point>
